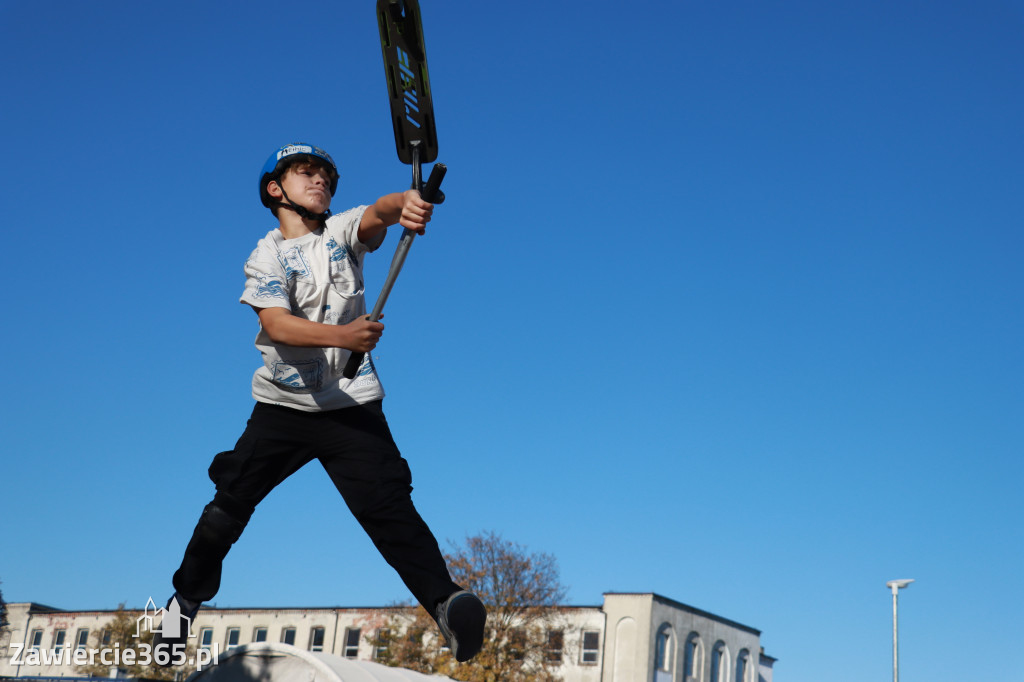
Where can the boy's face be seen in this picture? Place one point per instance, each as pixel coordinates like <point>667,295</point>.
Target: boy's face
<point>308,184</point>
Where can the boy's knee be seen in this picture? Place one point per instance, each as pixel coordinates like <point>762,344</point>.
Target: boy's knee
<point>389,491</point>
<point>221,525</point>
<point>395,481</point>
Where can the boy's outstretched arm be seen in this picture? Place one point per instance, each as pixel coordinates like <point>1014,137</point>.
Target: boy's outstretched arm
<point>405,207</point>
<point>284,328</point>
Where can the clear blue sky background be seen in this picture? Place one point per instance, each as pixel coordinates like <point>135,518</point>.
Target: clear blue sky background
<point>725,304</point>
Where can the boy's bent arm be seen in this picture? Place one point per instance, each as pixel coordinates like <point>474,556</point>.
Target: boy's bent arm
<point>288,330</point>
<point>405,207</point>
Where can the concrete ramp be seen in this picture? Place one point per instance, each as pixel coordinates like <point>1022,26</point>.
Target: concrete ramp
<point>271,662</point>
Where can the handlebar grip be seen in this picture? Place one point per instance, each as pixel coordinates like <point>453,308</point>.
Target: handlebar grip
<point>433,182</point>
<point>352,366</point>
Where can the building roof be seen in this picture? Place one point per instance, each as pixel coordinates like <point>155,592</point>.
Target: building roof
<point>686,607</point>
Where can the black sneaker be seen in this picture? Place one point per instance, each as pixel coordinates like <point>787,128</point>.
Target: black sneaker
<point>171,637</point>
<point>461,618</point>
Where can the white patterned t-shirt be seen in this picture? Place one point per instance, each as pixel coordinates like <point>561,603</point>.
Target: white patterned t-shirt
<point>318,277</point>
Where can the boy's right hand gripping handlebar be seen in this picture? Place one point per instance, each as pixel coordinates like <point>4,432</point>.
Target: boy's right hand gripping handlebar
<point>429,192</point>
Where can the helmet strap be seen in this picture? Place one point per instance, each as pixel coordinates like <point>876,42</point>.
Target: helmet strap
<point>302,210</point>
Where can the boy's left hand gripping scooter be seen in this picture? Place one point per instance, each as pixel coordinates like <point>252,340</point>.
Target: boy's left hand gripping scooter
<point>412,114</point>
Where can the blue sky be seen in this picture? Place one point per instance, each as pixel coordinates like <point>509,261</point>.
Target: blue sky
<point>724,305</point>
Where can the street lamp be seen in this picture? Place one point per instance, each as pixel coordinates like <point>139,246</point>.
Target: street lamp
<point>895,586</point>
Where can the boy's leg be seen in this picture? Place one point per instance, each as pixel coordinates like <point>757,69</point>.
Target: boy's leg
<point>361,457</point>
<point>198,577</point>
<point>270,450</point>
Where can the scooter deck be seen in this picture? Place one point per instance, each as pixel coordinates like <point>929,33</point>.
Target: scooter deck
<point>405,62</point>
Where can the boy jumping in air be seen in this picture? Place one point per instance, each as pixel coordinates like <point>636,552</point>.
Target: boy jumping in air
<point>305,281</point>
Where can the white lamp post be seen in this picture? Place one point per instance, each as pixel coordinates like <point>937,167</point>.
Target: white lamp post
<point>895,586</point>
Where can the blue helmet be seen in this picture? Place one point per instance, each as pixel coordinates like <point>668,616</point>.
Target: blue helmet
<point>279,161</point>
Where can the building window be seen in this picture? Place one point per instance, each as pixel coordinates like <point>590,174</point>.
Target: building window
<point>663,649</point>
<point>36,640</point>
<point>743,666</point>
<point>259,634</point>
<point>316,639</point>
<point>381,640</point>
<point>591,649</point>
<point>351,643</point>
<point>58,640</point>
<point>553,650</point>
<point>232,638</point>
<point>720,663</point>
<point>288,636</point>
<point>414,635</point>
<point>517,644</point>
<point>206,638</point>
<point>82,640</point>
<point>693,658</point>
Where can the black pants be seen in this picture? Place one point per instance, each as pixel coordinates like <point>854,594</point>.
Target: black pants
<point>356,448</point>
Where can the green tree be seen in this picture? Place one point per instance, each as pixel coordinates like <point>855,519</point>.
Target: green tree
<point>5,634</point>
<point>521,591</point>
<point>3,611</point>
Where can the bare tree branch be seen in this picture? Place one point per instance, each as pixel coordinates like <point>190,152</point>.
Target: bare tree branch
<point>521,591</point>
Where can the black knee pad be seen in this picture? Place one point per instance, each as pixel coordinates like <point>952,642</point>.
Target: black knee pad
<point>218,528</point>
<point>198,578</point>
